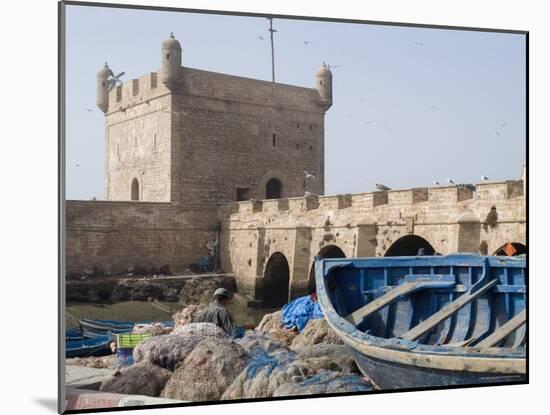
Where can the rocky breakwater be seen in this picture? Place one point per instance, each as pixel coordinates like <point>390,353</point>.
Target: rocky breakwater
<point>187,289</point>
<point>199,362</point>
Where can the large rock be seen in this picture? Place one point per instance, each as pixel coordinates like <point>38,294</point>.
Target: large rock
<point>142,378</point>
<point>322,383</point>
<point>315,332</point>
<point>207,371</point>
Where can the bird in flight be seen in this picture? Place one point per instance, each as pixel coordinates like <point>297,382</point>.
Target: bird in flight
<point>306,42</point>
<point>260,37</point>
<point>484,178</point>
<point>450,181</point>
<point>497,132</point>
<point>382,187</point>
<point>417,43</point>
<point>77,165</point>
<point>88,109</point>
<point>309,175</point>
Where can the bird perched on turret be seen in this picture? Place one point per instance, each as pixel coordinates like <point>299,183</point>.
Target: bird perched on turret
<point>382,187</point>
<point>450,181</point>
<point>484,178</point>
<point>309,175</point>
<point>492,217</point>
<point>436,182</point>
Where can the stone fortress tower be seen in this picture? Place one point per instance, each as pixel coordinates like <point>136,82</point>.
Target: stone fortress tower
<point>197,138</point>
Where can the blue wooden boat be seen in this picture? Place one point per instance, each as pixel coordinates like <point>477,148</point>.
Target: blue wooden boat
<point>73,333</point>
<point>98,346</point>
<point>97,328</point>
<point>429,320</point>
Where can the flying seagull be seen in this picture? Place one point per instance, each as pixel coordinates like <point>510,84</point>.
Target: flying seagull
<point>88,109</point>
<point>417,43</point>
<point>309,175</point>
<point>77,165</point>
<point>261,37</point>
<point>306,42</point>
<point>484,178</point>
<point>450,181</point>
<point>114,80</point>
<point>382,188</point>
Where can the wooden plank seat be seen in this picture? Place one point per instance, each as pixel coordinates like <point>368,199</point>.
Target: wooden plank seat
<point>413,283</point>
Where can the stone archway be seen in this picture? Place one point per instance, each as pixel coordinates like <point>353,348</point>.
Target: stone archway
<point>511,249</point>
<point>329,251</point>
<point>410,245</point>
<point>276,281</point>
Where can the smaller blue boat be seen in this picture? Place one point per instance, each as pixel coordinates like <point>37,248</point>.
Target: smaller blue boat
<point>98,346</point>
<point>73,333</point>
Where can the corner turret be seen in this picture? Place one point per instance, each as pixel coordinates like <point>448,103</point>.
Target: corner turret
<point>171,62</point>
<point>323,83</point>
<point>102,99</point>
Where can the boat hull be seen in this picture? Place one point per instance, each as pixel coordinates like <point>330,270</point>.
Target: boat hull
<point>391,375</point>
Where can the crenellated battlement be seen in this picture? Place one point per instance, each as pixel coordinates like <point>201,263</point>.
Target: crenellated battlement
<point>417,199</point>
<point>135,91</point>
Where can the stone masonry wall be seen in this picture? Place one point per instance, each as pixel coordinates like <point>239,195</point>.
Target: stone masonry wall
<point>138,141</point>
<point>115,235</point>
<point>451,219</point>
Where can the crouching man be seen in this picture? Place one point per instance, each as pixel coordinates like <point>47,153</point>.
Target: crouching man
<point>218,314</point>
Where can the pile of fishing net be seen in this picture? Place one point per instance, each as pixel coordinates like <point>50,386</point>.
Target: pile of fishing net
<point>271,365</point>
<point>154,329</point>
<point>170,349</point>
<point>186,315</point>
<point>272,324</point>
<point>324,382</point>
<point>102,362</point>
<point>207,371</point>
<point>316,332</point>
<point>142,378</point>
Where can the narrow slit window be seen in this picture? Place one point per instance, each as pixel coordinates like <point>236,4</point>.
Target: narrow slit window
<point>155,141</point>
<point>274,142</point>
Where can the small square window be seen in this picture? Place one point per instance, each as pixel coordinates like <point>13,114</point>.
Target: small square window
<point>242,193</point>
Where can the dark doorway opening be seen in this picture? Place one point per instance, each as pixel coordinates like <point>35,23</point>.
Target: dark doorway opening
<point>329,251</point>
<point>273,189</point>
<point>276,281</point>
<point>410,245</point>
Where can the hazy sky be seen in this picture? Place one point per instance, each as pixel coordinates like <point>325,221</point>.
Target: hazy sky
<point>410,105</point>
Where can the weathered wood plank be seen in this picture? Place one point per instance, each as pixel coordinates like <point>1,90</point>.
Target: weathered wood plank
<point>505,330</point>
<point>446,312</point>
<point>423,282</point>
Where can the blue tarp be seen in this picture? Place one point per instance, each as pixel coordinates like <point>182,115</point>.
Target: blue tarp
<point>298,312</point>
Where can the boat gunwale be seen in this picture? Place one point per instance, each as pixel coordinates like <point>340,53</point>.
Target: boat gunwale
<point>406,352</point>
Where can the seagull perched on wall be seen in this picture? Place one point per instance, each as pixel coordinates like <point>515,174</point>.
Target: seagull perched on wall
<point>382,187</point>
<point>436,182</point>
<point>484,178</point>
<point>450,181</point>
<point>309,175</point>
<point>307,194</point>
